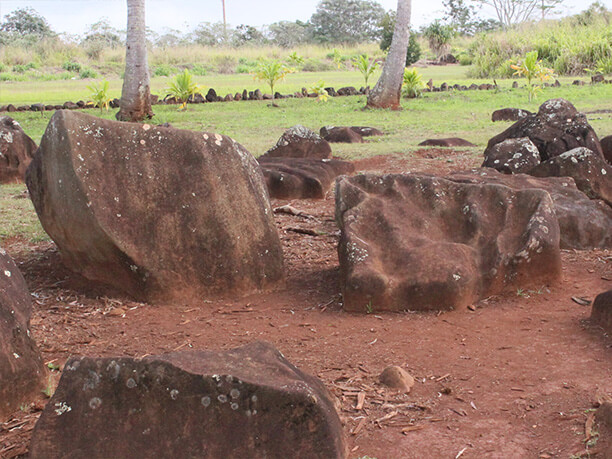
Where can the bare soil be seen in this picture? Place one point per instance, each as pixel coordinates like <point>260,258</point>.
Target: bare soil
<point>513,376</point>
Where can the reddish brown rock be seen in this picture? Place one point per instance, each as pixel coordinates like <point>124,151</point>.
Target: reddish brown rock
<point>160,213</point>
<point>341,135</point>
<point>603,418</point>
<point>301,178</point>
<point>16,151</point>
<point>509,114</point>
<point>556,128</point>
<point>449,142</point>
<point>365,131</point>
<point>300,142</point>
<point>584,223</point>
<point>415,242</point>
<point>606,148</point>
<point>512,156</point>
<point>245,402</point>
<point>601,312</point>
<point>21,368</point>
<point>592,174</point>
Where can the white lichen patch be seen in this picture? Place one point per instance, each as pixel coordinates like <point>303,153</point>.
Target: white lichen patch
<point>95,403</point>
<point>7,137</point>
<point>7,273</point>
<point>205,401</point>
<point>61,408</point>
<point>16,355</point>
<point>146,127</point>
<point>174,394</point>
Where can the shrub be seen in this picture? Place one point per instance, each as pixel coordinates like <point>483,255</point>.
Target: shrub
<point>439,36</point>
<point>71,66</point>
<point>314,65</point>
<point>163,70</point>
<point>199,70</point>
<point>224,64</point>
<point>87,72</point>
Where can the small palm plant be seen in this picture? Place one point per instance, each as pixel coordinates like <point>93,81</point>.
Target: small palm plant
<point>295,59</point>
<point>531,68</point>
<point>271,72</point>
<point>413,83</point>
<point>337,58</point>
<point>366,66</point>
<point>99,95</point>
<point>319,90</point>
<point>183,87</point>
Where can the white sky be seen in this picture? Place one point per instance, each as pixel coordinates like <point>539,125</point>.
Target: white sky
<point>73,16</point>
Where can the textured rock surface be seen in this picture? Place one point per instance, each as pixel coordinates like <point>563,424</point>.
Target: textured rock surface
<point>592,174</point>
<point>342,135</point>
<point>21,367</point>
<point>426,243</point>
<point>245,402</point>
<point>158,212</point>
<point>397,378</point>
<point>606,147</point>
<point>363,131</point>
<point>603,417</point>
<point>449,142</point>
<point>300,142</point>
<point>584,223</point>
<point>512,156</point>
<point>16,151</point>
<point>601,312</point>
<point>556,128</point>
<point>509,114</point>
<point>301,178</point>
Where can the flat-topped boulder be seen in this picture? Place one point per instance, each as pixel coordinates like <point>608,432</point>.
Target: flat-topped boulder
<point>556,128</point>
<point>592,174</point>
<point>159,213</point>
<point>363,131</point>
<point>341,135</point>
<point>300,142</point>
<point>417,242</point>
<point>447,142</point>
<point>22,375</point>
<point>16,151</point>
<point>601,312</point>
<point>302,178</point>
<point>584,223</point>
<point>244,402</point>
<point>509,114</point>
<point>512,156</point>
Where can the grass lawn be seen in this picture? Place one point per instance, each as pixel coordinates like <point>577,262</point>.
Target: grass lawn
<point>258,126</point>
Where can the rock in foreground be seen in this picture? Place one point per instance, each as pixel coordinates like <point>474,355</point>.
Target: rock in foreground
<point>512,156</point>
<point>301,178</point>
<point>245,402</point>
<point>21,367</point>
<point>158,212</point>
<point>16,151</point>
<point>414,242</point>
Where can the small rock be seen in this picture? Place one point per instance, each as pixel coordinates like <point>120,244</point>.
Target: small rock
<point>397,378</point>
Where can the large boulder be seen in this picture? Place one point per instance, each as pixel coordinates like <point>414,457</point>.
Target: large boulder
<point>584,223</point>
<point>21,367</point>
<point>606,148</point>
<point>301,178</point>
<point>601,312</point>
<point>341,135</point>
<point>592,174</point>
<point>300,142</point>
<point>448,142</point>
<point>16,151</point>
<point>509,114</point>
<point>427,243</point>
<point>556,128</point>
<point>245,402</point>
<point>512,156</point>
<point>158,212</point>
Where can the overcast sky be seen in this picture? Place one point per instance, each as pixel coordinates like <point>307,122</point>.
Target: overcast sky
<point>73,16</point>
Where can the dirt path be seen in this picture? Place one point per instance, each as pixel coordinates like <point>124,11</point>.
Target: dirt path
<point>515,377</point>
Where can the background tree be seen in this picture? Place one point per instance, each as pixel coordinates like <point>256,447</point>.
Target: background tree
<point>439,36</point>
<point>247,35</point>
<point>289,34</point>
<point>211,34</point>
<point>413,53</point>
<point>135,104</point>
<point>26,21</point>
<point>388,89</point>
<point>347,21</point>
<point>511,12</point>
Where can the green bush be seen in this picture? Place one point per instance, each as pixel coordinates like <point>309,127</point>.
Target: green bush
<point>2,67</point>
<point>87,72</point>
<point>163,70</point>
<point>314,65</point>
<point>71,66</point>
<point>199,70</point>
<point>22,68</point>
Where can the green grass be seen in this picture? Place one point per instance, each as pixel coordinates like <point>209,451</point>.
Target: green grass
<point>17,215</point>
<point>258,126</point>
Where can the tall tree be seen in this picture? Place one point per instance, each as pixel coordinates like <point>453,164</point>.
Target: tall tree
<point>347,21</point>
<point>135,104</point>
<point>388,89</point>
<point>511,12</point>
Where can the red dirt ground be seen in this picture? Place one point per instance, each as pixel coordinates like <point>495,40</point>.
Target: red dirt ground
<point>515,377</point>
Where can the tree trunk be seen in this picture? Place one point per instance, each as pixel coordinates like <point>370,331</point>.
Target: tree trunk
<point>388,89</point>
<point>135,104</point>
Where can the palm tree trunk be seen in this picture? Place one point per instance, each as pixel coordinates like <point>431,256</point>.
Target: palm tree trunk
<point>135,104</point>
<point>388,89</point>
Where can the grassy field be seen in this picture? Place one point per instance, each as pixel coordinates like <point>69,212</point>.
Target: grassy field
<point>258,126</point>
